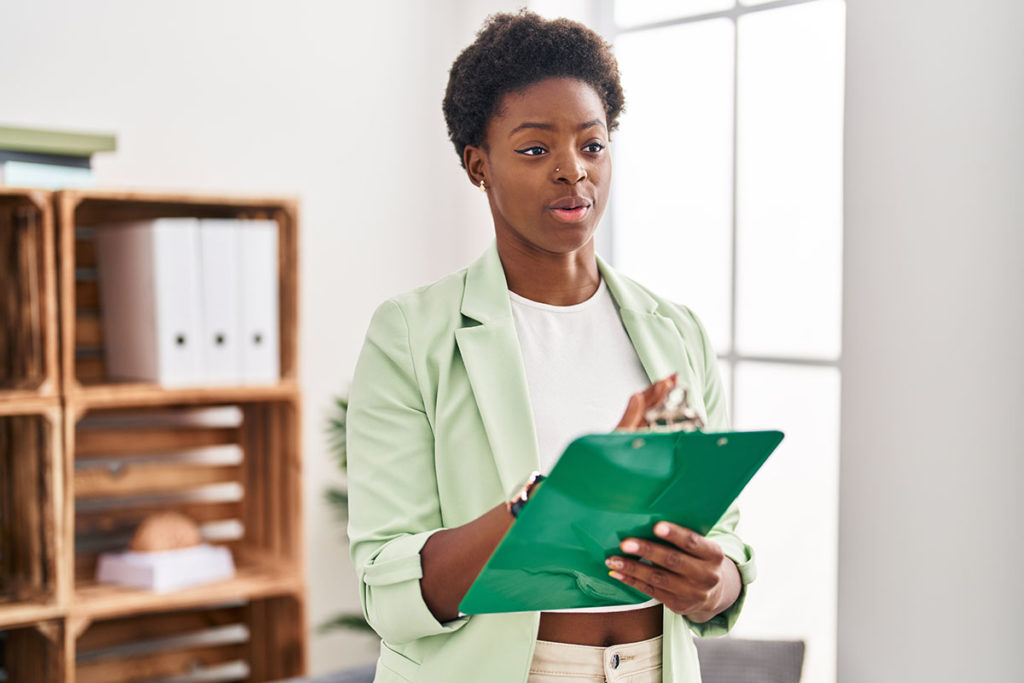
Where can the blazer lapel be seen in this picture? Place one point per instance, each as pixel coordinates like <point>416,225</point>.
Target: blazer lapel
<point>490,351</point>
<point>655,337</point>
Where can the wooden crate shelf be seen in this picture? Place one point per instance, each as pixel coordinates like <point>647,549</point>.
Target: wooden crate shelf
<point>34,652</point>
<point>84,459</point>
<point>28,296</point>
<point>223,641</point>
<point>81,212</point>
<point>29,517</point>
<point>234,468</point>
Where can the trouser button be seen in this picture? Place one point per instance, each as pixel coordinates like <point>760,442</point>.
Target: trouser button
<point>615,661</point>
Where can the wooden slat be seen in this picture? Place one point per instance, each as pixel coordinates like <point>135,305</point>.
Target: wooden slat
<point>65,221</point>
<point>165,664</point>
<point>276,644</point>
<point>138,395</point>
<point>32,656</point>
<point>104,634</point>
<point>87,294</point>
<point>24,444</point>
<point>85,253</point>
<point>22,293</point>
<point>88,331</point>
<point>290,454</point>
<point>9,300</point>
<point>8,548</point>
<point>256,483</point>
<point>28,502</point>
<point>85,567</point>
<point>99,601</point>
<point>148,478</point>
<point>91,369</point>
<point>91,443</point>
<point>19,613</point>
<point>120,520</point>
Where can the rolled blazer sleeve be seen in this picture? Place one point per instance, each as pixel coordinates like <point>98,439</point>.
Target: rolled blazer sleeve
<point>393,499</point>
<point>724,532</point>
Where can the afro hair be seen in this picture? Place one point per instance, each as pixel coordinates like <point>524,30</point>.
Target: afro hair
<point>514,51</point>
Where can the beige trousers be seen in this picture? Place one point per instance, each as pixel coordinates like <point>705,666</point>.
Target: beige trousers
<point>628,663</point>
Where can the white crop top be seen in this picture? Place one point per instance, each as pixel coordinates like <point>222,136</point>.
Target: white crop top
<point>581,369</point>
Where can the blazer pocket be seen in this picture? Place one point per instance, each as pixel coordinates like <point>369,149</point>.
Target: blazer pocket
<point>398,664</point>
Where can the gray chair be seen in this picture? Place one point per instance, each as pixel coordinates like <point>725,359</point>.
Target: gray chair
<point>734,660</point>
<point>359,674</point>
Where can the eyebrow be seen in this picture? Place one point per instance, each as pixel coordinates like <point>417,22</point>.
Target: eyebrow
<point>548,126</point>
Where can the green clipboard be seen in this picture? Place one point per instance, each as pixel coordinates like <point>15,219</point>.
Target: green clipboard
<point>604,489</point>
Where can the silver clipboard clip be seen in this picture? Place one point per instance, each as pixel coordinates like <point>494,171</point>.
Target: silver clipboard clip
<point>674,414</point>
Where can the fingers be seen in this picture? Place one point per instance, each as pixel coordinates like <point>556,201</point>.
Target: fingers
<point>642,401</point>
<point>690,542</point>
<point>668,557</point>
<point>685,576</point>
<point>682,593</point>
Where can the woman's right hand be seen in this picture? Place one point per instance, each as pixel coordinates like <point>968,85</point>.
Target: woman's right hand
<point>642,401</point>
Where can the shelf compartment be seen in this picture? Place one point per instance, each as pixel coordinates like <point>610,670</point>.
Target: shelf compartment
<point>233,468</point>
<point>81,213</point>
<point>29,462</point>
<point>33,653</point>
<point>256,640</point>
<point>28,299</point>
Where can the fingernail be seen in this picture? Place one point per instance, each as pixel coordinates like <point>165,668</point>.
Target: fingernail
<point>630,546</point>
<point>614,563</point>
<point>661,529</point>
<point>616,575</point>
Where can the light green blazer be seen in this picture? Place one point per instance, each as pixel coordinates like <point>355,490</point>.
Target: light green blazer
<point>440,430</point>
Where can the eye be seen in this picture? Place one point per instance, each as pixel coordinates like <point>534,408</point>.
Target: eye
<point>593,147</point>
<point>534,151</point>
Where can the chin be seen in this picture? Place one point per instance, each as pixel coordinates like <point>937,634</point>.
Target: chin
<point>570,239</point>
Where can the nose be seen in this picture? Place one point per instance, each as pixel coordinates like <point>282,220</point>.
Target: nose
<point>570,170</point>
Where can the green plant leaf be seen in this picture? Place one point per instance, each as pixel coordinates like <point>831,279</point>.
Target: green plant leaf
<point>337,499</point>
<point>348,622</point>
<point>337,427</point>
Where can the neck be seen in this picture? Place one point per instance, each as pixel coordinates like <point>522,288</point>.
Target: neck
<point>555,279</point>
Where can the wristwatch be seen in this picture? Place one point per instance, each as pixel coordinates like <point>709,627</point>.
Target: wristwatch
<point>519,500</point>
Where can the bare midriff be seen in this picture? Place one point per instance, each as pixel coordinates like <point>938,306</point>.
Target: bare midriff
<point>601,629</point>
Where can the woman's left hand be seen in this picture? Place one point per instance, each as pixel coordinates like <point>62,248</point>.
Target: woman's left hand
<point>691,576</point>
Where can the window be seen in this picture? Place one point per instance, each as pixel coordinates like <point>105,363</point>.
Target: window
<point>727,197</point>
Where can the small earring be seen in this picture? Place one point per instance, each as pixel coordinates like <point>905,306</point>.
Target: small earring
<point>483,188</point>
<point>557,170</point>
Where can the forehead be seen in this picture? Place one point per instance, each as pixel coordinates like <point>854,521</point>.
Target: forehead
<point>555,101</point>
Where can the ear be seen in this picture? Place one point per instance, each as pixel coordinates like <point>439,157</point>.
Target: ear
<point>474,159</point>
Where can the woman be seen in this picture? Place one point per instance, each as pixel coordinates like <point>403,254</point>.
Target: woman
<point>467,385</point>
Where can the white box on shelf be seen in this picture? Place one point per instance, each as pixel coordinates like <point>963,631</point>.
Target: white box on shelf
<point>49,176</point>
<point>259,302</point>
<point>166,570</point>
<point>220,253</point>
<point>149,293</point>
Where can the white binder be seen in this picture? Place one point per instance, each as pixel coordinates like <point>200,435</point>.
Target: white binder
<point>219,275</point>
<point>259,303</point>
<point>149,289</point>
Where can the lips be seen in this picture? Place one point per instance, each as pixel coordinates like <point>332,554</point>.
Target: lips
<point>571,209</point>
<point>570,202</point>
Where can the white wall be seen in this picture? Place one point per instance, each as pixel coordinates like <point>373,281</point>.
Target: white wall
<point>933,376</point>
<point>338,103</point>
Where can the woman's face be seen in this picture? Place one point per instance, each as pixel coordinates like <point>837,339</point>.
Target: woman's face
<point>546,166</point>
